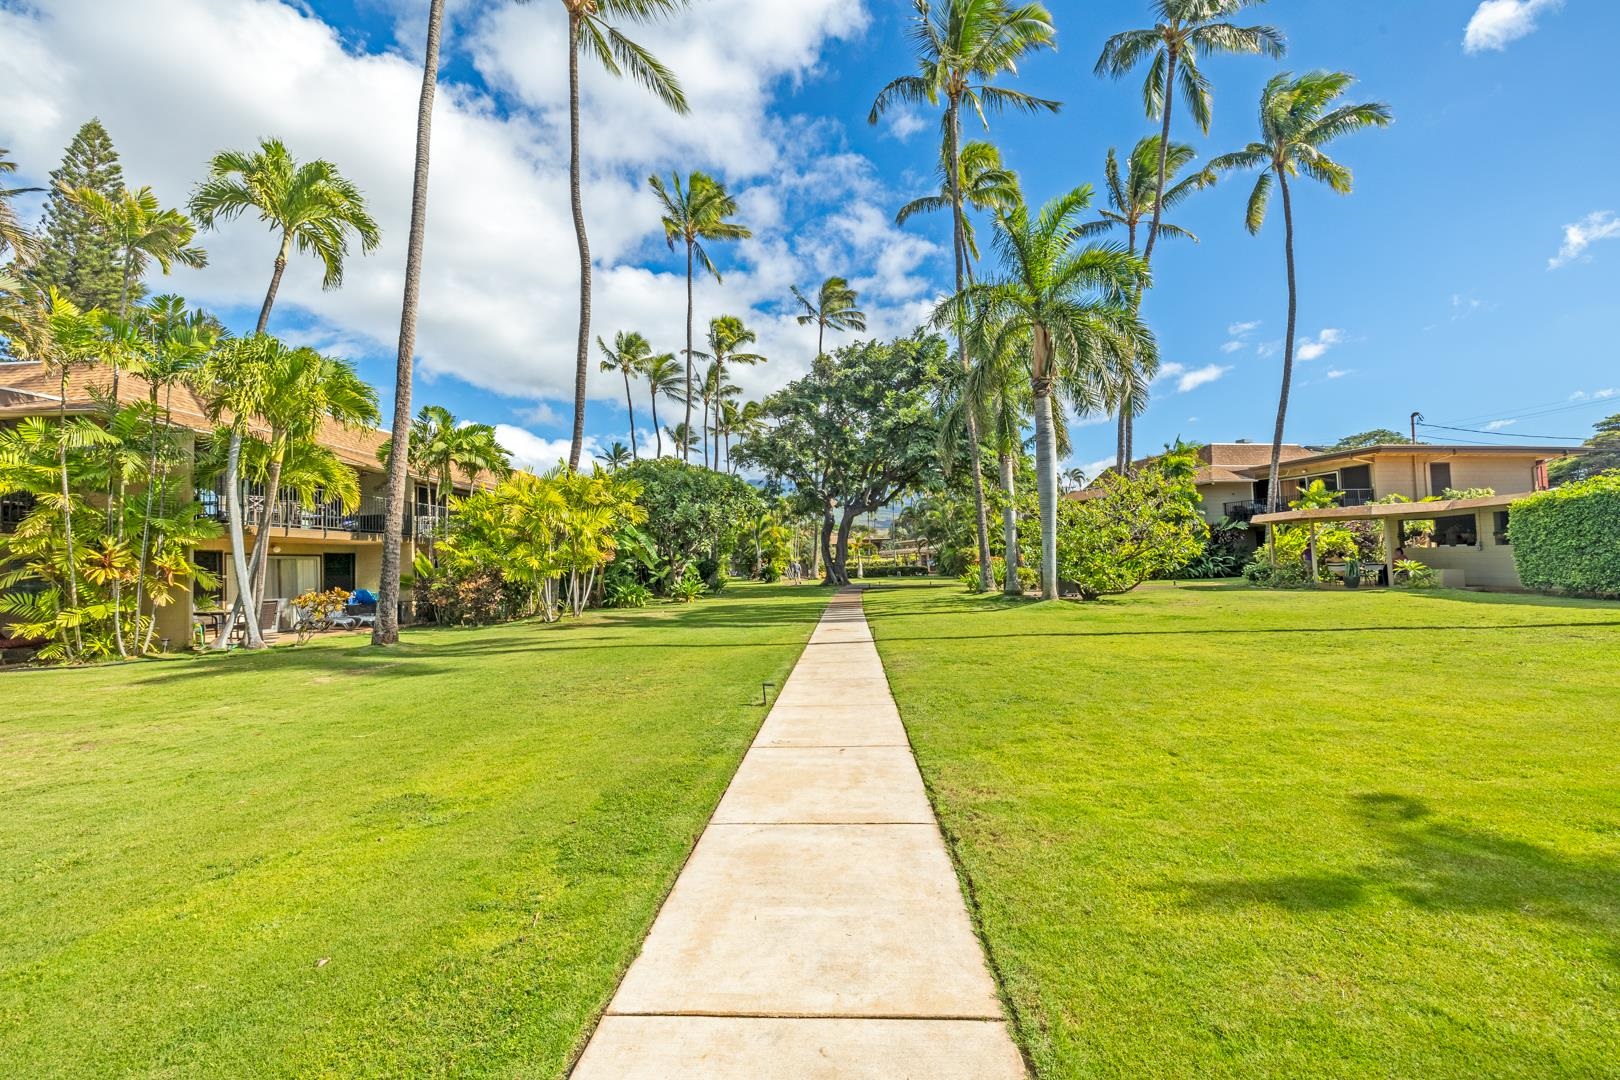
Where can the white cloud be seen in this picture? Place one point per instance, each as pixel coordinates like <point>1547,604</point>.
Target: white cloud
<point>1190,378</point>
<point>1315,348</point>
<point>1495,23</point>
<point>1338,373</point>
<point>530,451</point>
<point>1232,346</point>
<point>1498,425</point>
<point>1242,329</point>
<point>500,285</point>
<point>1268,348</point>
<point>1598,225</point>
<point>1595,395</point>
<point>904,123</point>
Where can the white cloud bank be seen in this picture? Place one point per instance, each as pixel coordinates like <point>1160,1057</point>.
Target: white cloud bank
<point>1598,225</point>
<point>177,80</point>
<point>1188,379</point>
<point>1496,23</point>
<point>1317,347</point>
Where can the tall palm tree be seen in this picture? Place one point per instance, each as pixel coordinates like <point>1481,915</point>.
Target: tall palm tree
<point>589,31</point>
<point>1073,305</point>
<point>833,306</point>
<point>985,184</point>
<point>683,437</point>
<point>996,393</point>
<point>663,375</point>
<point>313,207</point>
<point>727,338</point>
<point>615,457</point>
<point>693,214</point>
<point>1133,197</point>
<point>385,630</point>
<point>142,230</point>
<point>1297,119</point>
<point>440,445</point>
<point>1186,31</point>
<point>13,234</point>
<point>961,46</point>
<point>629,356</point>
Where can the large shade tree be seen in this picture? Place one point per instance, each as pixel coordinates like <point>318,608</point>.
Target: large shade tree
<point>1298,117</point>
<point>961,47</point>
<point>696,211</point>
<point>834,306</point>
<point>591,31</point>
<point>313,209</point>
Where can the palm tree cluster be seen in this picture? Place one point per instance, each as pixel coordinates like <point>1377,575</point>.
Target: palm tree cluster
<point>1061,319</point>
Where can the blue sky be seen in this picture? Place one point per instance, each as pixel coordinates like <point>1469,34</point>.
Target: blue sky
<point>1432,288</point>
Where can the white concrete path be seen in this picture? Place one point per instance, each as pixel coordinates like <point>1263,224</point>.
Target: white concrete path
<point>817,930</point>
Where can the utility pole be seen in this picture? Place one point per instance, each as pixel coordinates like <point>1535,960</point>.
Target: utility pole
<point>1416,416</point>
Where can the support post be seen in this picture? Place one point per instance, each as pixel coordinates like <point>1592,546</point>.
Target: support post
<point>1392,533</point>
<point>1313,555</point>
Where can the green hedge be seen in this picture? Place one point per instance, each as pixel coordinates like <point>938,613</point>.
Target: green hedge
<point>1568,539</point>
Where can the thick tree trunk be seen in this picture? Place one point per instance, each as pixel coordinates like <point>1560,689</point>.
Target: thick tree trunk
<point>630,407</point>
<point>686,445</point>
<point>841,553</point>
<point>829,565</point>
<point>385,630</point>
<point>1046,486</point>
<point>261,543</point>
<point>1009,528</point>
<point>1164,150</point>
<point>1273,492</point>
<point>583,348</point>
<point>275,283</point>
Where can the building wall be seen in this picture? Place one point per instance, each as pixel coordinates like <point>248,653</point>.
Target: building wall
<point>1408,474</point>
<point>1489,566</point>
<point>1216,496</point>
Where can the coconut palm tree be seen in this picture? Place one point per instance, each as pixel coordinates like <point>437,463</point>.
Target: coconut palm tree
<point>663,375</point>
<point>1298,117</point>
<point>692,214</point>
<point>1073,305</point>
<point>1132,198</point>
<point>996,394</point>
<point>385,631</point>
<point>629,356</point>
<point>727,337</point>
<point>312,206</point>
<point>13,235</point>
<point>440,446</point>
<point>615,457</point>
<point>590,31</point>
<point>142,230</point>
<point>962,45</point>
<point>833,306</point>
<point>985,184</point>
<point>1186,31</point>
<point>683,437</point>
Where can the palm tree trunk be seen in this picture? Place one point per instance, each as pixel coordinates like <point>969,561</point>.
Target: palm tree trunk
<point>1046,486</point>
<point>630,407</point>
<point>1273,495</point>
<point>1164,150</point>
<point>658,432</point>
<point>1120,460</point>
<point>261,543</point>
<point>821,337</point>
<point>1009,529</point>
<point>245,601</point>
<point>686,446</point>
<point>385,630</point>
<point>987,580</point>
<point>146,519</point>
<point>67,513</point>
<point>275,283</point>
<point>584,344</point>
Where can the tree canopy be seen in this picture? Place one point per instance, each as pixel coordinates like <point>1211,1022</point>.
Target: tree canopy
<point>1369,438</point>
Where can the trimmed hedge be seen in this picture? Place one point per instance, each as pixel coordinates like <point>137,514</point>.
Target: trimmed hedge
<point>1568,539</point>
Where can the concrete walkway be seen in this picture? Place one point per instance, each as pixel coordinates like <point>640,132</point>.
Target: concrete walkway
<point>817,930</point>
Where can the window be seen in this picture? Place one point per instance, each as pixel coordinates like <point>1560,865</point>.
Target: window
<point>214,563</point>
<point>1499,527</point>
<point>1459,530</point>
<point>337,570</point>
<point>1439,476</point>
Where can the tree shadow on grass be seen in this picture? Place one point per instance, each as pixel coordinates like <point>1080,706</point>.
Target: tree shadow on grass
<point>1439,866</point>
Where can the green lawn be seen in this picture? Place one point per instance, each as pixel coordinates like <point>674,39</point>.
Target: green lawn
<point>1212,831</point>
<point>329,860</point>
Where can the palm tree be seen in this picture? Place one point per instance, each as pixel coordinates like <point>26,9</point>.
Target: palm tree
<point>629,356</point>
<point>833,306</point>
<point>1073,305</point>
<point>683,437</point>
<point>996,394</point>
<point>142,229</point>
<point>313,206</point>
<point>985,184</point>
<point>440,445</point>
<point>13,234</point>
<point>385,631</point>
<point>1186,31</point>
<point>1132,198</point>
<point>693,214</point>
<point>663,375</point>
<point>727,336</point>
<point>589,31</point>
<point>1296,120</point>
<point>961,46</point>
<point>615,457</point>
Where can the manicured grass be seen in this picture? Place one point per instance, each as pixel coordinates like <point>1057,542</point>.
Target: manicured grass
<point>329,860</point>
<point>1220,832</point>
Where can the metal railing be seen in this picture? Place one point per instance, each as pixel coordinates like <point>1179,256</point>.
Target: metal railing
<point>1243,510</point>
<point>365,518</point>
<point>1356,496</point>
<point>13,508</point>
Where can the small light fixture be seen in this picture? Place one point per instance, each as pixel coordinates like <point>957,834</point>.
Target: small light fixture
<point>275,549</point>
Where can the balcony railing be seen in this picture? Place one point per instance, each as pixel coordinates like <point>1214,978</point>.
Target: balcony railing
<point>13,508</point>
<point>365,518</point>
<point>1244,510</point>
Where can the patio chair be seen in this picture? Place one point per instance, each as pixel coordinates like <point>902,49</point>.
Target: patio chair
<point>270,618</point>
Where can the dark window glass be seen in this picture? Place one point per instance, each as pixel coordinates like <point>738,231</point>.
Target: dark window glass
<point>214,563</point>
<point>1439,477</point>
<point>1460,530</point>
<point>1499,528</point>
<point>1356,476</point>
<point>337,570</point>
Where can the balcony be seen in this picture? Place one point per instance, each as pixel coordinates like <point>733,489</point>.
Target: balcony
<point>1244,510</point>
<point>1356,496</point>
<point>366,519</point>
<point>13,508</point>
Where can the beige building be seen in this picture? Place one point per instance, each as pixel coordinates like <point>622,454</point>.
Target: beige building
<point>325,547</point>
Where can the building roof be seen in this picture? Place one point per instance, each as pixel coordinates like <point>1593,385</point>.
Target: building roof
<point>1382,511</point>
<point>1425,450</point>
<point>1238,454</point>
<point>32,389</point>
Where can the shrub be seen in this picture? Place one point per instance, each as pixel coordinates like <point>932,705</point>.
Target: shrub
<point>1143,524</point>
<point>1568,539</point>
<point>690,586</point>
<point>1411,574</point>
<point>904,571</point>
<point>1289,574</point>
<point>628,594</point>
<point>477,597</point>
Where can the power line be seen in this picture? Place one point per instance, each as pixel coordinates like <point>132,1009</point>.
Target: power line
<point>1505,434</point>
<point>1549,409</point>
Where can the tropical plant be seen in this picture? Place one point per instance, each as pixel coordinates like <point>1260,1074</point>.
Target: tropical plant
<point>142,230</point>
<point>961,46</point>
<point>315,610</point>
<point>833,306</point>
<point>1186,31</point>
<point>313,207</point>
<point>1565,539</point>
<point>663,375</point>
<point>694,514</point>
<point>1298,117</point>
<point>985,184</point>
<point>694,213</point>
<point>14,236</point>
<point>1601,455</point>
<point>1142,524</point>
<point>690,586</point>
<point>684,439</point>
<point>386,629</point>
<point>615,457</point>
<point>1415,575</point>
<point>1072,304</point>
<point>629,356</point>
<point>727,339</point>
